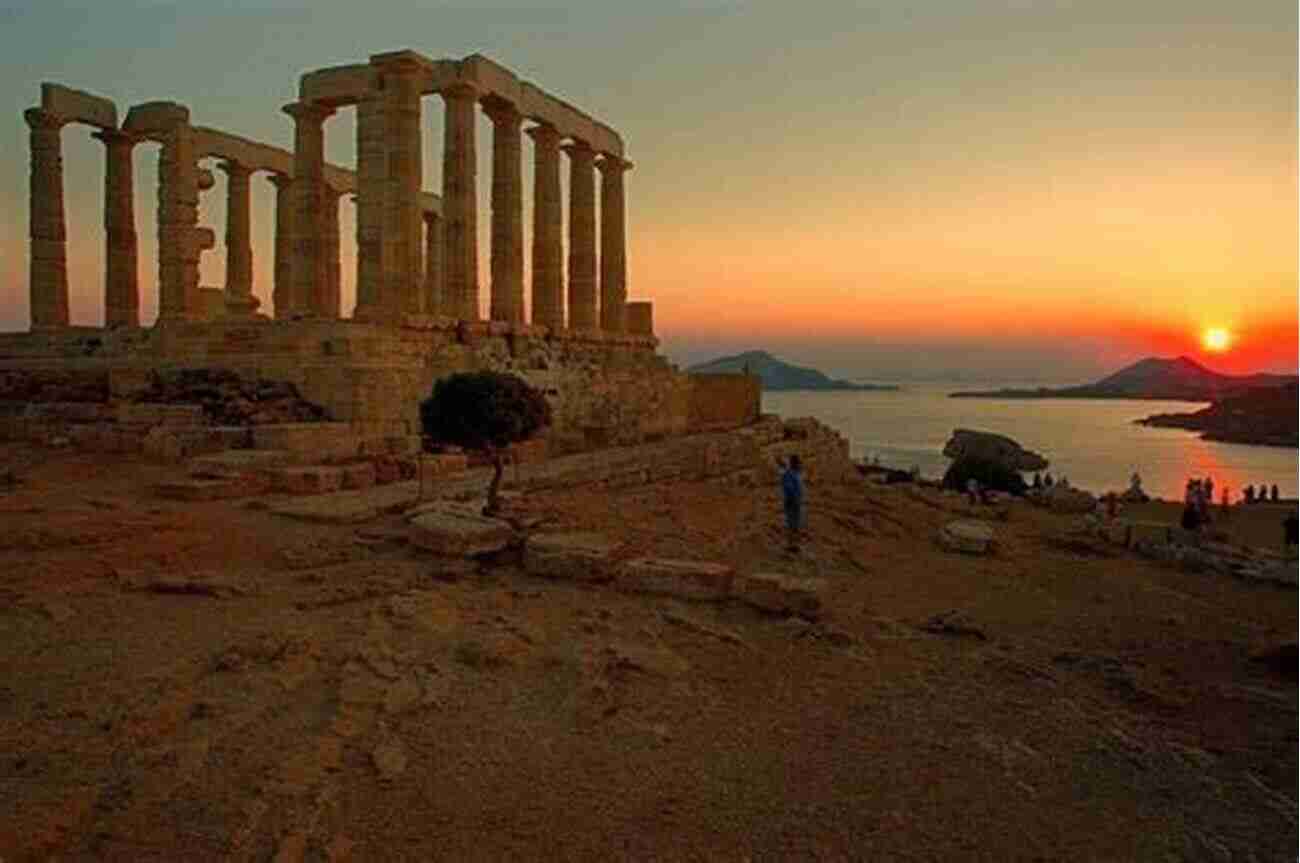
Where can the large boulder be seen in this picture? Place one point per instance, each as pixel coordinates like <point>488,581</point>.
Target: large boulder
<point>990,447</point>
<point>991,475</point>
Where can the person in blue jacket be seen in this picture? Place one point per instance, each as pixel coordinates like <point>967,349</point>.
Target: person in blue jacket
<point>792,496</point>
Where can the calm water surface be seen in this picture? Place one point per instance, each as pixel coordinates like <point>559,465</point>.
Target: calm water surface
<point>1093,443</point>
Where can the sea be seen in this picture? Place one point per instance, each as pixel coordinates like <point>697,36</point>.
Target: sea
<point>1094,443</point>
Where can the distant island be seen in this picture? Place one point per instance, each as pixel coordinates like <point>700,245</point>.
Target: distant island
<point>1181,379</point>
<point>1264,415</point>
<point>778,375</point>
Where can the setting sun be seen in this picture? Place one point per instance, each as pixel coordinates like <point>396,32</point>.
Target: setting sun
<point>1216,339</point>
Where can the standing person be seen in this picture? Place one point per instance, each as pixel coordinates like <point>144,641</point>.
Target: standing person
<point>1272,493</point>
<point>1227,502</point>
<point>792,497</point>
<point>1208,485</point>
<point>1249,494</point>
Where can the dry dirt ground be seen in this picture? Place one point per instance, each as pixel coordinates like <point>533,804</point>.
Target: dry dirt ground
<point>328,693</point>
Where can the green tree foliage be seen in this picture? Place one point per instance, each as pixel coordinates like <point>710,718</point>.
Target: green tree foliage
<point>484,411</point>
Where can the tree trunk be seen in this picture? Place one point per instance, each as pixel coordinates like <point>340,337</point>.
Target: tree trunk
<point>498,468</point>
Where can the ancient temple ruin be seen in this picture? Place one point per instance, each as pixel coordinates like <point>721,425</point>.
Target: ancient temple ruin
<point>418,285</point>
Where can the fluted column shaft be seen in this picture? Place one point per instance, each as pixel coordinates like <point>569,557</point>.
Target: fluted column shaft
<point>460,204</point>
<point>403,251</point>
<point>308,294</point>
<point>433,300</point>
<point>582,237</point>
<point>240,301</point>
<point>180,240</point>
<point>372,179</point>
<point>48,284</point>
<point>121,264</point>
<point>507,303</point>
<point>283,243</point>
<point>331,306</point>
<point>548,228</point>
<point>613,252</point>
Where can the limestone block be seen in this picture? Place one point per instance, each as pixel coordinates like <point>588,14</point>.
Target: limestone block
<point>224,488</point>
<point>78,106</point>
<point>967,537</point>
<point>360,475</point>
<point>444,463</point>
<point>324,440</point>
<point>685,579</point>
<point>453,531</point>
<point>781,594</point>
<point>313,479</point>
<point>155,117</point>
<point>578,556</point>
<point>240,462</point>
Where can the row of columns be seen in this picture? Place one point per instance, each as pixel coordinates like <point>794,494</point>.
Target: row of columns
<point>390,279</point>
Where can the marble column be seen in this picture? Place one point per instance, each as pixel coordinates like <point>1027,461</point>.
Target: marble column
<point>403,279</point>
<point>613,237</point>
<point>433,300</point>
<point>460,204</point>
<point>582,237</point>
<point>121,264</point>
<point>48,283</point>
<point>180,239</point>
<point>548,228</point>
<point>240,302</point>
<point>372,178</point>
<point>283,243</point>
<point>507,303</point>
<point>308,292</point>
<point>331,303</point>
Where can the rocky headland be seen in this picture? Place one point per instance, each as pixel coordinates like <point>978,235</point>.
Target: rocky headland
<point>1179,379</point>
<point>1264,416</point>
<point>779,375</point>
<point>627,664</point>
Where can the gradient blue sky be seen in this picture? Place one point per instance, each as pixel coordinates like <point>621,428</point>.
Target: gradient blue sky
<point>1005,189</point>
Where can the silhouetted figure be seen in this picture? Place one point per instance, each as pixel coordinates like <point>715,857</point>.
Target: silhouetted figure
<point>1227,503</point>
<point>1208,486</point>
<point>792,498</point>
<point>1038,481</point>
<point>1272,493</point>
<point>1048,482</point>
<point>1291,530</point>
<point>1261,496</point>
<point>1249,494</point>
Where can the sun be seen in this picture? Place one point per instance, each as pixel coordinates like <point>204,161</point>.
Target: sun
<point>1216,339</point>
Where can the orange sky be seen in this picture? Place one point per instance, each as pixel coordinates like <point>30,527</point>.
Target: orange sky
<point>1039,190</point>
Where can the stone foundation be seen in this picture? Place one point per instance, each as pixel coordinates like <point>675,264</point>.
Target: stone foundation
<point>604,389</point>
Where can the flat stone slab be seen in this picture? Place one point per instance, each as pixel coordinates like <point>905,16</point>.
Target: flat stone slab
<point>781,594</point>
<point>317,479</point>
<point>347,507</point>
<point>572,555</point>
<point>453,531</point>
<point>967,537</point>
<point>685,579</point>
<point>222,488</point>
<point>240,462</point>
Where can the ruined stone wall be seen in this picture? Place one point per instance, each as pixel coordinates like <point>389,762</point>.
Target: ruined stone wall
<point>604,390</point>
<point>723,401</point>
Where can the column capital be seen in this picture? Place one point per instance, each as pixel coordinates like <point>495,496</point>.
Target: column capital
<point>460,90</point>
<point>544,134</point>
<point>115,138</point>
<point>578,148</point>
<point>308,111</point>
<point>502,112</point>
<point>234,168</point>
<point>609,163</point>
<point>280,181</point>
<point>39,118</point>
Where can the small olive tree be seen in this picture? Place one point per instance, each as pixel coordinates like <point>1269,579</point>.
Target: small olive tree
<point>486,412</point>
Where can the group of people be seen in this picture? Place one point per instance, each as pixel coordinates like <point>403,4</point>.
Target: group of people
<point>1197,498</point>
<point>1045,481</point>
<point>1264,493</point>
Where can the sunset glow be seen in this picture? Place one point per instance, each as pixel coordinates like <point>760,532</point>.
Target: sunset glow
<point>1217,339</point>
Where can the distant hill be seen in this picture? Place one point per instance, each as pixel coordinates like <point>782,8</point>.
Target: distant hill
<point>778,375</point>
<point>1181,379</point>
<point>1263,415</point>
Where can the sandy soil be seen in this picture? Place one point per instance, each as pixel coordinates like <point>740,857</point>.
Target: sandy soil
<point>329,693</point>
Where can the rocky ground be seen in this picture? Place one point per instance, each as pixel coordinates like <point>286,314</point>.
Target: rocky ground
<point>213,681</point>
